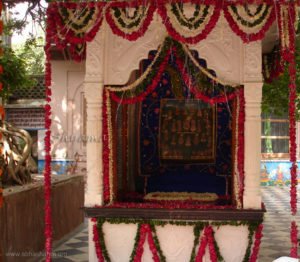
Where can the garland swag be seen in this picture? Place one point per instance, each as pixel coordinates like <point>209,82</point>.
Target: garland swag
<point>143,86</point>
<point>74,24</point>
<point>203,236</point>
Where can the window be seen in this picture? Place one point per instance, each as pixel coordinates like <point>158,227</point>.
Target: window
<point>275,136</point>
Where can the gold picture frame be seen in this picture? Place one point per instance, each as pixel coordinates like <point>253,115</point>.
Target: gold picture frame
<point>187,131</point>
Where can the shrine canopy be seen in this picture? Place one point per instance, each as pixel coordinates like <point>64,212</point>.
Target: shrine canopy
<point>73,24</point>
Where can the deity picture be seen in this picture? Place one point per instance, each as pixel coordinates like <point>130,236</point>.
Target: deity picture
<point>187,131</point>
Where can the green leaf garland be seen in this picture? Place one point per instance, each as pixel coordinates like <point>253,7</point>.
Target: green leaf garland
<point>249,24</point>
<point>198,227</point>
<point>195,21</point>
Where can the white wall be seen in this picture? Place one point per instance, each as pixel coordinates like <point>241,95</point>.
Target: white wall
<point>176,242</point>
<point>67,109</point>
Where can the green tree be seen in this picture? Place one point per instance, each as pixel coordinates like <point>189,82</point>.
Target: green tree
<point>15,75</point>
<point>32,52</point>
<point>275,98</point>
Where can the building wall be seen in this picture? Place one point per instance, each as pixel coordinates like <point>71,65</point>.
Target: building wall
<point>68,109</point>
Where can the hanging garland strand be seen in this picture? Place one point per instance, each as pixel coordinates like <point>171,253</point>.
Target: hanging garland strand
<point>97,241</point>
<point>290,58</point>
<point>1,109</point>
<point>47,170</point>
<point>241,145</point>
<point>294,240</point>
<point>257,241</point>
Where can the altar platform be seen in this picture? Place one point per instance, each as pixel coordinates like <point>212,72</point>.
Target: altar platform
<point>275,242</point>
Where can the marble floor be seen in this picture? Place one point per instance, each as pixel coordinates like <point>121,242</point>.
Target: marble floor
<point>275,243</point>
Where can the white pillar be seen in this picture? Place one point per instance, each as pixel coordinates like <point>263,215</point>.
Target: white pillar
<point>93,90</point>
<point>93,94</point>
<point>252,194</point>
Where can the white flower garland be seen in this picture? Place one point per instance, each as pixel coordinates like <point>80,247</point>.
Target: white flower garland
<point>181,196</point>
<point>184,31</point>
<point>141,13</point>
<point>236,178</point>
<point>242,13</point>
<point>140,79</point>
<point>205,71</point>
<point>110,147</point>
<point>181,14</point>
<point>75,17</point>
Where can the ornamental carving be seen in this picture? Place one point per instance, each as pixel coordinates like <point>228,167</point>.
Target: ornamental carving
<point>94,67</point>
<point>252,62</point>
<point>122,57</point>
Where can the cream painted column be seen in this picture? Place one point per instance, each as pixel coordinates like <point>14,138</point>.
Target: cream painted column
<point>253,95</point>
<point>93,89</point>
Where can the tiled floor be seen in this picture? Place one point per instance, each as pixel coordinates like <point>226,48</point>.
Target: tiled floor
<point>276,240</point>
<point>75,249</point>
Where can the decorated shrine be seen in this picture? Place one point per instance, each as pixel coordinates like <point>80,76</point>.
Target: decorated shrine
<point>173,92</point>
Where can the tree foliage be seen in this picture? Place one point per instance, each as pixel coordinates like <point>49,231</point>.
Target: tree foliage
<point>32,52</point>
<point>15,74</point>
<point>275,98</point>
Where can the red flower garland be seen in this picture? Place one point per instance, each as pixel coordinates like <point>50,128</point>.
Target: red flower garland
<point>96,242</point>
<point>140,247</point>
<point>105,151</point>
<point>148,90</point>
<point>292,107</point>
<point>255,250</point>
<point>152,245</point>
<point>201,250</point>
<point>142,29</point>
<point>58,28</point>
<point>191,40</point>
<point>241,144</point>
<point>294,240</point>
<point>207,239</point>
<point>62,35</point>
<point>252,36</point>
<point>187,79</point>
<point>288,55</point>
<point>211,245</point>
<point>145,230</point>
<point>47,170</point>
